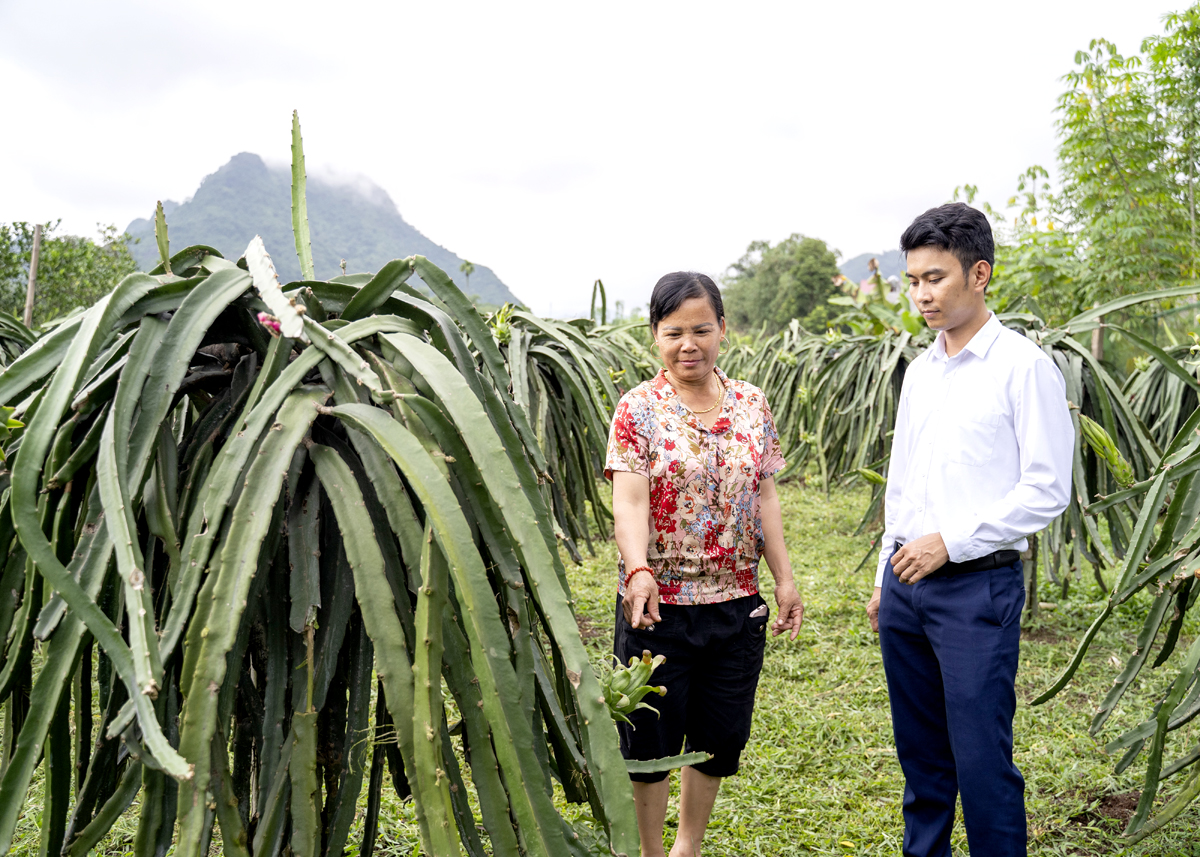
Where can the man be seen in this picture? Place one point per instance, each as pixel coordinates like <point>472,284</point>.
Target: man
<point>981,458</point>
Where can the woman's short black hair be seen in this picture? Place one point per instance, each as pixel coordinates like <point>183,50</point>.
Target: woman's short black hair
<point>956,227</point>
<point>673,289</point>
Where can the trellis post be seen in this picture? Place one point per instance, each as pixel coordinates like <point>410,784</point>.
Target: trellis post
<point>33,266</point>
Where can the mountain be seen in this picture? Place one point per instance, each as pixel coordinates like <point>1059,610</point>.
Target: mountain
<point>891,262</point>
<point>358,223</point>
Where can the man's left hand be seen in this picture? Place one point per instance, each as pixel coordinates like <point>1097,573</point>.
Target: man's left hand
<point>791,611</point>
<point>920,558</point>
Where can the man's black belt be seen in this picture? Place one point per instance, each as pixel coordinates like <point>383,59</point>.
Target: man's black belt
<point>998,559</point>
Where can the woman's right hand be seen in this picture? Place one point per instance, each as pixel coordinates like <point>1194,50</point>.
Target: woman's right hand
<point>640,604</point>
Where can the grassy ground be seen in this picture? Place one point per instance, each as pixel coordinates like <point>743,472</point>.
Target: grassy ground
<point>820,775</point>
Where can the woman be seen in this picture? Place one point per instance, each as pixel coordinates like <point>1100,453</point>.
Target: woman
<point>692,455</point>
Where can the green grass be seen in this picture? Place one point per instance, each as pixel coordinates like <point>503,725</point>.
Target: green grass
<point>820,775</point>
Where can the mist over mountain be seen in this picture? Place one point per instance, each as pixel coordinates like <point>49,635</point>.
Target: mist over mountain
<point>357,222</point>
<point>891,262</point>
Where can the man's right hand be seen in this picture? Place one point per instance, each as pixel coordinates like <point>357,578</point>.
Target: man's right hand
<point>873,609</point>
<point>640,604</point>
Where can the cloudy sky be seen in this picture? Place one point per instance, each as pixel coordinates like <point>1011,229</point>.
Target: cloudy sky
<point>554,142</point>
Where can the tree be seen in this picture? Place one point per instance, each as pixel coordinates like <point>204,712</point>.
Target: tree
<point>1038,265</point>
<point>1123,218</point>
<point>1174,60</point>
<point>1129,140</point>
<point>774,284</point>
<point>1120,183</point>
<point>72,271</point>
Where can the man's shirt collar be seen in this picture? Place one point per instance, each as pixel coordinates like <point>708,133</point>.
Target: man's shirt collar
<point>979,344</point>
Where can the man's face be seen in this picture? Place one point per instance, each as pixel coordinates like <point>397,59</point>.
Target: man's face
<point>942,292</point>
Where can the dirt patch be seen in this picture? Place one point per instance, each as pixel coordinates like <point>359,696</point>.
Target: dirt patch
<point>1119,807</point>
<point>1043,634</point>
<point>588,629</point>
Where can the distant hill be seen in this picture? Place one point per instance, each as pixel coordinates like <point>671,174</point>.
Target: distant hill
<point>891,262</point>
<point>357,223</point>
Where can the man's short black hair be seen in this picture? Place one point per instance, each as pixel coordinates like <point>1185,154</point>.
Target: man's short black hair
<point>956,227</point>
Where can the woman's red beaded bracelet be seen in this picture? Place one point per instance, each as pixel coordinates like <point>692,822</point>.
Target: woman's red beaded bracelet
<point>629,576</point>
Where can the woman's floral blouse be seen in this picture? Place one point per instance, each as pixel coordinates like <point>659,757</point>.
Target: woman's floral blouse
<point>706,533</point>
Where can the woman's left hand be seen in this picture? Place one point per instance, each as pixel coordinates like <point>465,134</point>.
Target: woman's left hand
<point>791,611</point>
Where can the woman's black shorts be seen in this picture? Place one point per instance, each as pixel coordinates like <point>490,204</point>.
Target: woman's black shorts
<point>714,656</point>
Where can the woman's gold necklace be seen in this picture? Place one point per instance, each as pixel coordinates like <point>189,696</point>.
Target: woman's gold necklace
<point>712,407</point>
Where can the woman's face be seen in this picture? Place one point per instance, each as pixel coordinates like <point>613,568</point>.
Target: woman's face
<point>690,339</point>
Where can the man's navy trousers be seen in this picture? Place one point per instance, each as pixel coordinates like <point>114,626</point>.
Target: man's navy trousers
<point>950,646</point>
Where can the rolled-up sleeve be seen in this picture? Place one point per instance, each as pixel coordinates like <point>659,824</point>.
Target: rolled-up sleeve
<point>1046,443</point>
<point>628,449</point>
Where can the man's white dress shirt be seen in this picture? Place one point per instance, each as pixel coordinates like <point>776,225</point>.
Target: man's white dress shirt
<point>983,447</point>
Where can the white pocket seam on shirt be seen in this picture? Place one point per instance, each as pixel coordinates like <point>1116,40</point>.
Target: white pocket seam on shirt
<point>960,453</point>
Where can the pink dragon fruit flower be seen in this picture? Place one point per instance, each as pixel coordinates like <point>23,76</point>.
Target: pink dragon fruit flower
<point>270,322</point>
